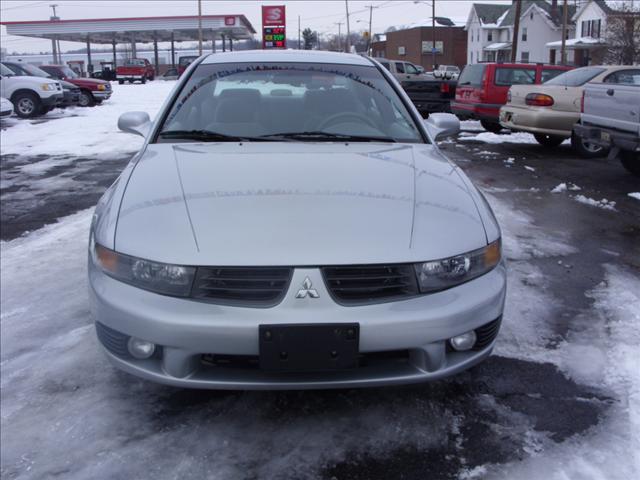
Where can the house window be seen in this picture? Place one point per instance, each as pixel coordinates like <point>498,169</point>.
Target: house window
<point>402,51</point>
<point>591,28</point>
<point>524,34</point>
<point>524,57</point>
<point>531,16</point>
<point>490,36</point>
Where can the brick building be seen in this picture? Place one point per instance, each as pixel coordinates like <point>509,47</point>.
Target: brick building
<point>414,45</point>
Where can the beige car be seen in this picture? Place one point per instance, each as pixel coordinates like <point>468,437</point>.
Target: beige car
<point>550,110</point>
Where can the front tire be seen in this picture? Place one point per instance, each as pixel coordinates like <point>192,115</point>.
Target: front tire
<point>548,140</point>
<point>144,80</point>
<point>490,126</point>
<point>27,105</point>
<point>120,82</point>
<point>630,161</point>
<point>586,149</point>
<point>86,99</point>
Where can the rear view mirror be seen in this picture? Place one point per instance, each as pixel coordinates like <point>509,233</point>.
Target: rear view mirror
<point>138,123</point>
<point>442,125</point>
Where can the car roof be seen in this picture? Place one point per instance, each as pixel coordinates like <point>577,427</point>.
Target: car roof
<point>306,56</point>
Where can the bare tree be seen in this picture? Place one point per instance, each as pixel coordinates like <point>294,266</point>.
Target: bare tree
<point>623,35</point>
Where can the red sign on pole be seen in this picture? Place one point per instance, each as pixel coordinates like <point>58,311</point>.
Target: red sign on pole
<point>273,27</point>
<point>273,15</point>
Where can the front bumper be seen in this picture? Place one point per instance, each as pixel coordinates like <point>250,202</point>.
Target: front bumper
<point>101,94</point>
<point>52,100</point>
<point>538,120</point>
<point>185,330</point>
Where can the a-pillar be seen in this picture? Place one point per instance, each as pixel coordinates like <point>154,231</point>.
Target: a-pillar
<point>155,52</point>
<point>89,66</point>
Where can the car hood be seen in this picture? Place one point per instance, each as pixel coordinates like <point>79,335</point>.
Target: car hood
<point>296,204</point>
<point>87,82</point>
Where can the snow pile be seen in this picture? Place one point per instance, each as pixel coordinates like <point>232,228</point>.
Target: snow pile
<point>604,203</point>
<point>531,169</point>
<point>494,138</point>
<point>86,131</point>
<point>635,195</point>
<point>563,187</point>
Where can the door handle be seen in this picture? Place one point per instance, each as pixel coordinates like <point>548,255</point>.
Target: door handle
<point>610,92</point>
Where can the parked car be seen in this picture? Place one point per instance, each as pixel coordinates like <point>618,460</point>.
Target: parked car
<point>6,108</point>
<point>330,243</point>
<point>106,72</point>
<point>447,71</point>
<point>70,93</point>
<point>482,88</point>
<point>611,116</point>
<point>184,62</point>
<point>31,96</point>
<point>135,69</point>
<point>92,90</point>
<point>171,74</point>
<point>550,110</point>
<point>428,94</point>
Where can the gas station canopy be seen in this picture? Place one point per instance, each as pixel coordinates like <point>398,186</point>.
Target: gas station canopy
<point>142,29</point>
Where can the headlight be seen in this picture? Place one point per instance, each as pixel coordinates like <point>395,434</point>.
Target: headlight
<point>101,87</point>
<point>157,277</point>
<point>48,87</point>
<point>448,272</point>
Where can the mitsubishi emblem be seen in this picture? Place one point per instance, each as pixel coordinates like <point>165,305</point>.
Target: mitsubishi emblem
<point>307,289</point>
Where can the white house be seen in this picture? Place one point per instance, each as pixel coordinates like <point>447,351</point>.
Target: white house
<point>490,31</point>
<point>588,45</point>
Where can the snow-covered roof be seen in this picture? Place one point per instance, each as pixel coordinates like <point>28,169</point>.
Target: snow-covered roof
<point>498,46</point>
<point>578,42</point>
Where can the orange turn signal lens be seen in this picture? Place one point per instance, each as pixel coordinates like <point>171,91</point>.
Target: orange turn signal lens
<point>492,254</point>
<point>108,259</point>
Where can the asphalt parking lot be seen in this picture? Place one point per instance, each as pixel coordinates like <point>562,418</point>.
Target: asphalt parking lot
<point>559,386</point>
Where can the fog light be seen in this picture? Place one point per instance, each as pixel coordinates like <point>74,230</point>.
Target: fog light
<point>140,349</point>
<point>463,342</point>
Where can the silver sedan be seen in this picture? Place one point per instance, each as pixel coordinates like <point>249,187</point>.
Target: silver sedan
<point>290,223</point>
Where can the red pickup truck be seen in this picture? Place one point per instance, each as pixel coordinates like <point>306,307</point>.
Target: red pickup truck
<point>135,69</point>
<point>92,90</point>
<point>482,88</point>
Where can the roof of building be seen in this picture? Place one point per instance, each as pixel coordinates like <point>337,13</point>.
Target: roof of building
<point>488,13</point>
<point>302,56</point>
<point>145,29</point>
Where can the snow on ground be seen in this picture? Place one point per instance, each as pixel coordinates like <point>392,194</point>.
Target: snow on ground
<point>635,195</point>
<point>603,203</point>
<point>494,138</point>
<point>84,131</point>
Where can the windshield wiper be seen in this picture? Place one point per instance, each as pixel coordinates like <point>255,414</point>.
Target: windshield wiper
<point>320,136</point>
<point>208,136</point>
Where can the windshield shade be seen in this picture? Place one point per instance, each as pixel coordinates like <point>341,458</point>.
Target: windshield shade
<point>259,99</point>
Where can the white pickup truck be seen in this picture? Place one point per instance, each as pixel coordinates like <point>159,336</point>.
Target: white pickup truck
<point>610,116</point>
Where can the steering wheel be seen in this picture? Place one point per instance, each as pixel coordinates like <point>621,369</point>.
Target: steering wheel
<point>339,118</point>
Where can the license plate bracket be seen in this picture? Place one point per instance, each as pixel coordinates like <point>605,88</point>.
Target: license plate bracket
<point>309,347</point>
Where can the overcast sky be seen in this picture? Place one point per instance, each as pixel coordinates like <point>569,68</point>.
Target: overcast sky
<point>317,15</point>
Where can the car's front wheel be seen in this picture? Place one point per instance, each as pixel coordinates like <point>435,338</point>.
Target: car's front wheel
<point>586,149</point>
<point>490,126</point>
<point>86,99</point>
<point>27,105</point>
<point>548,140</point>
<point>630,161</point>
<point>120,82</point>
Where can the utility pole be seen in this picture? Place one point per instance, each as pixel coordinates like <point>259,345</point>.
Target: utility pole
<point>199,27</point>
<point>298,32</point>
<point>516,30</point>
<point>348,42</point>
<point>433,30</point>
<point>370,32</point>
<point>563,50</point>
<point>54,42</point>
<point>339,37</point>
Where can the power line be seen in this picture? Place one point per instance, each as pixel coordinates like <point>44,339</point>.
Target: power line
<point>28,5</point>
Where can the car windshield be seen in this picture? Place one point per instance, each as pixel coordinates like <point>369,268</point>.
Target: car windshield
<point>5,71</point>
<point>472,75</point>
<point>68,72</point>
<point>35,71</point>
<point>575,78</point>
<point>289,102</point>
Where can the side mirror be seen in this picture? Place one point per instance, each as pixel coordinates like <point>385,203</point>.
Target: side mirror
<point>138,123</point>
<point>442,125</point>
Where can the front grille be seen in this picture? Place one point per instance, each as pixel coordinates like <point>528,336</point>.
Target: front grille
<point>246,286</point>
<point>361,284</point>
<point>113,340</point>
<point>487,334</point>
